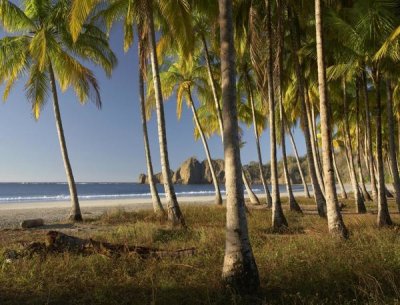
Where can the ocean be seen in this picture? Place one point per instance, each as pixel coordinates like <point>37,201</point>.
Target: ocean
<point>33,192</point>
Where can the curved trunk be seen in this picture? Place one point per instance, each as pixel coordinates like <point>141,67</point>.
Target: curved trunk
<point>339,178</point>
<point>318,195</point>
<point>174,212</point>
<point>278,218</point>
<point>239,270</point>
<point>392,144</point>
<point>257,137</point>
<point>157,206</point>
<point>383,209</point>
<point>218,197</point>
<point>293,205</point>
<point>253,198</point>
<point>335,221</point>
<point>303,180</point>
<point>359,200</point>
<point>75,214</point>
<point>368,141</point>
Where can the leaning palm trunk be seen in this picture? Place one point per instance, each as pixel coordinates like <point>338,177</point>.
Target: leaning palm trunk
<point>278,218</point>
<point>314,145</point>
<point>218,197</point>
<point>252,196</point>
<point>157,206</point>
<point>257,137</point>
<point>213,88</point>
<point>360,204</point>
<point>358,148</point>
<point>75,214</point>
<point>239,270</point>
<point>383,209</point>
<point>335,221</point>
<point>303,180</point>
<point>318,195</point>
<point>368,142</point>
<point>174,212</point>
<point>392,144</point>
<point>338,176</point>
<point>293,205</point>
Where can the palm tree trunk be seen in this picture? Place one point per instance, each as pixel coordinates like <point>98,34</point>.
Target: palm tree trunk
<point>278,218</point>
<point>358,146</point>
<point>383,209</point>
<point>335,221</point>
<point>213,87</point>
<point>252,196</point>
<point>239,270</point>
<point>174,212</point>
<point>318,195</point>
<point>368,143</point>
<point>314,145</point>
<point>392,144</point>
<point>360,204</point>
<point>293,205</point>
<point>218,197</point>
<point>75,214</point>
<point>257,137</point>
<point>303,180</point>
<point>157,206</point>
<point>339,178</point>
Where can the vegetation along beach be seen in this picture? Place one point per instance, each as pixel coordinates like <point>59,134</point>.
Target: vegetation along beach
<point>199,152</point>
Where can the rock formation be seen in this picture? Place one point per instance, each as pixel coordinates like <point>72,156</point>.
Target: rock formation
<point>194,172</point>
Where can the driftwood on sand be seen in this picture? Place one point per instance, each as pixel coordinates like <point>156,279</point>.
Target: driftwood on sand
<point>58,242</point>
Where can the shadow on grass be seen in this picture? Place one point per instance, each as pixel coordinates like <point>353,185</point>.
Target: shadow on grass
<point>285,231</point>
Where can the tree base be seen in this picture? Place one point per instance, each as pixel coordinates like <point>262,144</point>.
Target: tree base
<point>75,217</point>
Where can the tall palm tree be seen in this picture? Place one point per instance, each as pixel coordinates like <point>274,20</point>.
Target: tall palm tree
<point>239,269</point>
<point>177,27</point>
<point>278,218</point>
<point>293,205</point>
<point>157,206</point>
<point>184,77</point>
<point>335,221</point>
<point>295,44</point>
<point>349,154</point>
<point>42,48</point>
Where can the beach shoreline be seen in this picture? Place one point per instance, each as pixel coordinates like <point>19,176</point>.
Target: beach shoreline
<point>11,214</point>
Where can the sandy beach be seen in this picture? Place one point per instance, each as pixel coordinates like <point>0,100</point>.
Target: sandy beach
<point>11,214</point>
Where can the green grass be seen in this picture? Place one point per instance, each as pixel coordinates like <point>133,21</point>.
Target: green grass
<point>303,265</point>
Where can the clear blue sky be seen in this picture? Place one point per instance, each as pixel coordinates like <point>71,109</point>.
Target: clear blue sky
<point>104,145</point>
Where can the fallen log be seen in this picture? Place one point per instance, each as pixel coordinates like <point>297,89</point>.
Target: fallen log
<point>32,223</point>
<point>58,242</point>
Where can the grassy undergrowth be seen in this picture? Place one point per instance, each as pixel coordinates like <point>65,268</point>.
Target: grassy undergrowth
<point>303,265</point>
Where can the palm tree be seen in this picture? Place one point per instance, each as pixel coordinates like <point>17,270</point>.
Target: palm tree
<point>349,154</point>
<point>278,218</point>
<point>295,35</point>
<point>178,26</point>
<point>42,48</point>
<point>335,221</point>
<point>293,205</point>
<point>239,269</point>
<point>157,206</point>
<point>183,77</point>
